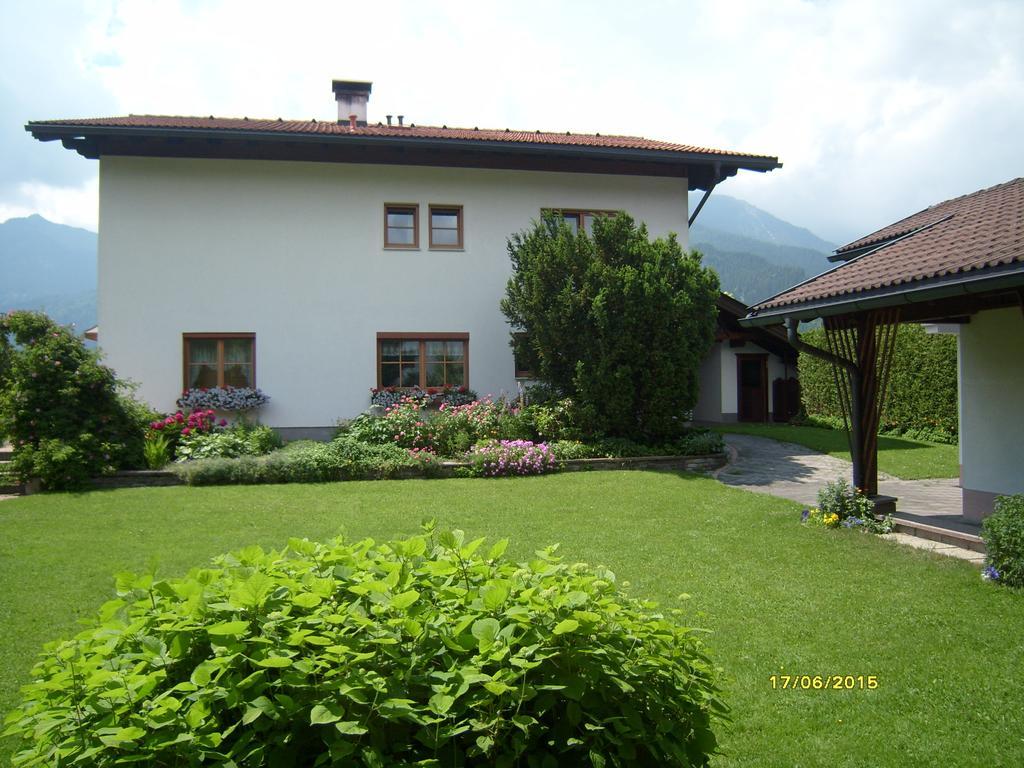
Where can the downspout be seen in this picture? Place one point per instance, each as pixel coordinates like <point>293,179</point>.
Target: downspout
<point>856,404</point>
<point>707,194</point>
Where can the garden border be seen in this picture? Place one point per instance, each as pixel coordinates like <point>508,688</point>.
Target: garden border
<point>709,462</point>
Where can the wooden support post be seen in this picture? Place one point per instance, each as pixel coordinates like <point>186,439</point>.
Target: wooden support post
<point>867,368</point>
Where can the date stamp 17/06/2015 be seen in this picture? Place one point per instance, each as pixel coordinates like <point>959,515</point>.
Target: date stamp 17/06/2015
<point>823,682</point>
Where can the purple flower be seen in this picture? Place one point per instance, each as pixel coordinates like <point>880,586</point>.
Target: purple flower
<point>990,573</point>
<point>804,515</point>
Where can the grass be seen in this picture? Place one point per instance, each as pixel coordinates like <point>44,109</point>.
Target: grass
<point>945,646</point>
<point>897,456</point>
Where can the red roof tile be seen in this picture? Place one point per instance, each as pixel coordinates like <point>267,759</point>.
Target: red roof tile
<point>979,231</point>
<point>331,128</point>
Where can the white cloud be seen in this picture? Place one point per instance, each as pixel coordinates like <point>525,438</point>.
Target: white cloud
<point>877,108</point>
<point>74,206</point>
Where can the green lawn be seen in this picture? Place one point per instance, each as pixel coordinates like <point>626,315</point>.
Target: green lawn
<point>779,597</point>
<point>897,456</point>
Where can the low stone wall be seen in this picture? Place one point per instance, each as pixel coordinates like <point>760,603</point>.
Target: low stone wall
<point>143,478</point>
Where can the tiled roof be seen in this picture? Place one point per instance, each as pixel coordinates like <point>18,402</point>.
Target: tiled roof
<point>332,128</point>
<point>980,231</point>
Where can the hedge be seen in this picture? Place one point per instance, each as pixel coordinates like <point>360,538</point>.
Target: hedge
<point>922,398</point>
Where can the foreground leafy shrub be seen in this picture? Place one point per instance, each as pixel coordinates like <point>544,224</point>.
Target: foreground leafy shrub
<point>1003,533</point>
<point>67,416</point>
<point>509,458</point>
<point>344,458</point>
<point>418,652</point>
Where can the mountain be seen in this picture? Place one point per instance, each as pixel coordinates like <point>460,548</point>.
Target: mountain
<point>749,277</point>
<point>755,253</point>
<point>728,214</point>
<point>49,267</point>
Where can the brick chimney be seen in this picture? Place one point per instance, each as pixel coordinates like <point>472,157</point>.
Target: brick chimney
<point>351,96</point>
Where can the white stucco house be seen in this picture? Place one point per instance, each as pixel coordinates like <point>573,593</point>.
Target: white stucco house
<point>958,265</point>
<point>750,373</point>
<point>319,259</point>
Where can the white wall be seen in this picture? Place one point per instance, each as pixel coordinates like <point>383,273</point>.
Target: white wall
<point>991,406</point>
<point>294,252</point>
<point>709,400</point>
<point>730,386</point>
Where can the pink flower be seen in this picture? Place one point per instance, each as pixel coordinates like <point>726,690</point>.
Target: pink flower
<point>223,422</point>
<point>185,431</point>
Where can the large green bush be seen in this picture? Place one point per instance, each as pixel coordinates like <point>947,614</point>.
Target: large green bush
<point>420,652</point>
<point>617,322</point>
<point>1003,533</point>
<point>922,398</point>
<point>66,414</point>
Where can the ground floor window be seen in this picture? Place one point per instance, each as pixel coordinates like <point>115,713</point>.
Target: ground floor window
<point>219,360</point>
<point>423,360</point>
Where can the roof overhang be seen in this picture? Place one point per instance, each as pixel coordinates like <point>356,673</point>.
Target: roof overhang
<point>703,170</point>
<point>961,293</point>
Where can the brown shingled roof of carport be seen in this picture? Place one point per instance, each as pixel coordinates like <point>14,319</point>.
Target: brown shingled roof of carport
<point>980,231</point>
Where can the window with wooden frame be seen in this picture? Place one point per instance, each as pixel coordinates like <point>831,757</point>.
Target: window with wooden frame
<point>401,225</point>
<point>445,227</point>
<point>219,360</point>
<point>425,360</point>
<point>577,219</point>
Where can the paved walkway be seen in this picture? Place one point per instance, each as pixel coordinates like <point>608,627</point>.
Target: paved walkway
<point>796,472</point>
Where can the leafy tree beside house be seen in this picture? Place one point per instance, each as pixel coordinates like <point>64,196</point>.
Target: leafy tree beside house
<point>65,413</point>
<point>616,321</point>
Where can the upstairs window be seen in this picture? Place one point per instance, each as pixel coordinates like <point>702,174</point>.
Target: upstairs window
<point>423,360</point>
<point>401,225</point>
<point>445,226</point>
<point>577,219</point>
<point>220,360</point>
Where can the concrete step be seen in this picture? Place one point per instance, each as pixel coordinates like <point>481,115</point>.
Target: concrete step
<point>950,536</point>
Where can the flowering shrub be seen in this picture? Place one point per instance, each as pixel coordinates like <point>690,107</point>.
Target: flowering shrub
<point>1003,533</point>
<point>448,431</point>
<point>815,516</point>
<point>174,427</point>
<point>66,415</point>
<point>842,505</point>
<point>385,397</point>
<point>500,458</point>
<point>223,399</point>
<point>843,500</point>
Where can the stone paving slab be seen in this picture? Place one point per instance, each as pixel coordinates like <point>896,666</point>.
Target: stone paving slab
<point>935,546</point>
<point>796,472</point>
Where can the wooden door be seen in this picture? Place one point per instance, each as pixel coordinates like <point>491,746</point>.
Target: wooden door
<point>752,387</point>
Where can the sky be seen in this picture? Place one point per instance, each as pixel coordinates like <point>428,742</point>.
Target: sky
<point>877,108</point>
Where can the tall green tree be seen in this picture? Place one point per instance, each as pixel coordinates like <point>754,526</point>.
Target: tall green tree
<point>616,321</point>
